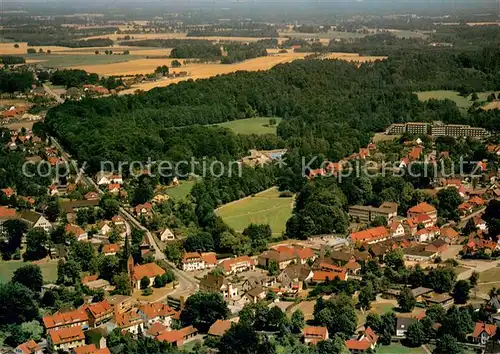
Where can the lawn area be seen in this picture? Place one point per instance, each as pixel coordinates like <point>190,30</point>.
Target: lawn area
<point>397,348</point>
<point>251,126</point>
<point>489,275</point>
<point>182,190</point>
<point>7,269</point>
<point>264,208</point>
<point>462,102</point>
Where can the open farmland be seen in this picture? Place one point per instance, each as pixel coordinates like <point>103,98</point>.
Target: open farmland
<point>354,57</point>
<point>251,126</point>
<point>171,35</point>
<point>264,208</point>
<point>492,105</point>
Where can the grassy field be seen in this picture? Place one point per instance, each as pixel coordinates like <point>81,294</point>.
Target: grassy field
<point>462,102</point>
<point>7,269</point>
<point>251,126</point>
<point>396,348</point>
<point>265,208</point>
<point>182,190</point>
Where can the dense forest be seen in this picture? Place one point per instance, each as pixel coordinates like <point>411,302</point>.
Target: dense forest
<point>334,105</point>
<point>53,34</point>
<point>10,60</point>
<point>15,81</point>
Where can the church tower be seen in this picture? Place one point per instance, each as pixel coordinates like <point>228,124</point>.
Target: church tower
<point>130,269</point>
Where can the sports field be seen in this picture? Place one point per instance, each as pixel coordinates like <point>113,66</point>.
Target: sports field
<point>264,208</point>
<point>259,125</point>
<point>7,269</point>
<point>462,102</point>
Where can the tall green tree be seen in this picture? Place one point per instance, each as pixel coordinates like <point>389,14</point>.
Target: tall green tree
<point>406,300</point>
<point>203,309</point>
<point>30,276</point>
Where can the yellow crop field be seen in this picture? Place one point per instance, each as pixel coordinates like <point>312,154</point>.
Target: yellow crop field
<point>354,57</point>
<point>492,105</point>
<point>196,71</point>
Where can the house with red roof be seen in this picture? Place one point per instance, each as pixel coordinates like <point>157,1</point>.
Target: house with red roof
<point>198,261</point>
<point>114,188</point>
<point>465,209</point>
<point>90,349</point>
<point>320,276</point>
<point>366,341</point>
<point>99,313</point>
<point>74,318</point>
<point>476,244</point>
<point>315,173</point>
<point>449,235</point>
<point>110,249</point>
<point>9,192</point>
<point>314,334</point>
<point>91,196</point>
<point>476,201</point>
<point>415,153</point>
<point>483,332</point>
<point>76,231</point>
<point>29,347</point>
<point>65,339</point>
<point>237,265</point>
<point>301,254</point>
<point>427,234</point>
<point>370,236</point>
<point>157,312</point>
<point>145,209</point>
<point>178,337</point>
<point>148,270</point>
<point>423,209</point>
<point>219,328</point>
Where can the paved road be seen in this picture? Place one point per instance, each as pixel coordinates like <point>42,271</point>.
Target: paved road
<point>53,94</point>
<point>187,283</point>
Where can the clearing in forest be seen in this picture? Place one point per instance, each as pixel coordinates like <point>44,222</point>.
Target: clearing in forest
<point>259,125</point>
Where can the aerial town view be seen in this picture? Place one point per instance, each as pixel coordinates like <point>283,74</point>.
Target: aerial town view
<point>250,177</point>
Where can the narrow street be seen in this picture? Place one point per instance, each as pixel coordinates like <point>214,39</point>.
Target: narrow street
<point>53,94</point>
<point>187,283</point>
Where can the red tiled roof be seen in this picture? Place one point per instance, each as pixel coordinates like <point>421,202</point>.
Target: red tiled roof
<point>88,278</point>
<point>464,206</point>
<point>74,229</point>
<point>371,336</point>
<point>353,344</point>
<point>6,212</point>
<point>100,308</point>
<point>415,153</point>
<point>228,263</point>
<point>148,206</point>
<point>156,328</point>
<point>66,335</point>
<point>64,318</point>
<point>154,309</point>
<point>315,331</point>
<point>111,248</point>
<point>368,235</point>
<point>422,208</point>
<point>219,327</point>
<point>150,270</point>
<point>175,336</point>
<point>477,200</point>
<point>320,276</point>
<point>481,327</point>
<point>9,192</point>
<point>112,186</point>
<point>209,257</point>
<point>421,219</point>
<point>449,232</point>
<point>28,347</point>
